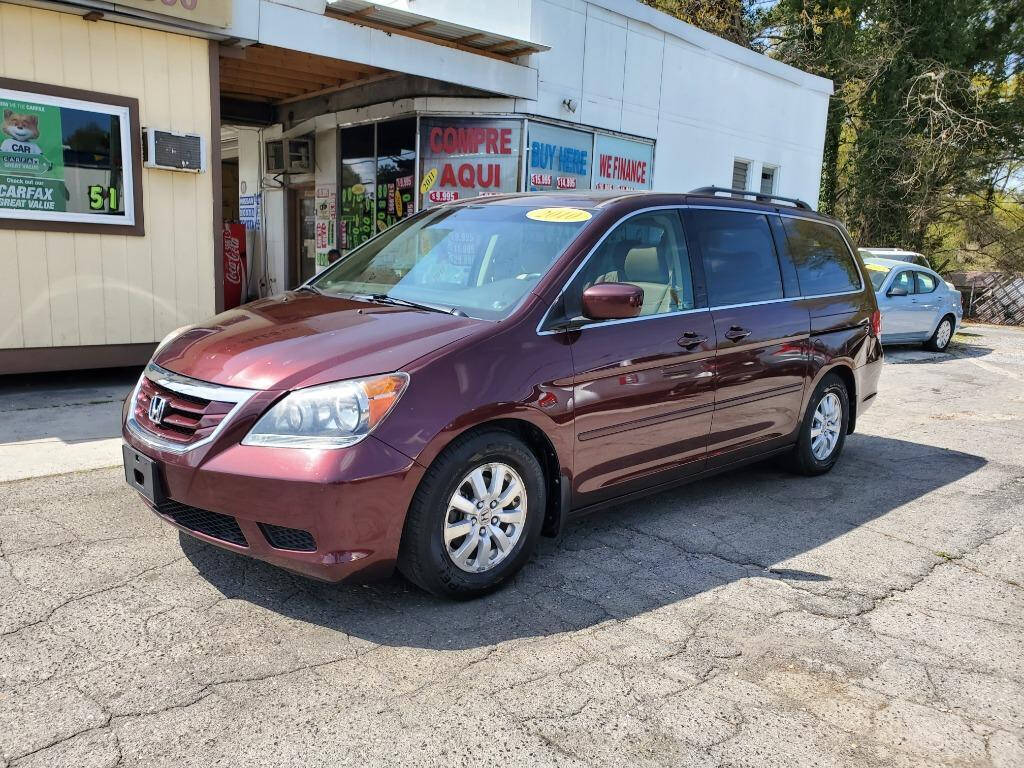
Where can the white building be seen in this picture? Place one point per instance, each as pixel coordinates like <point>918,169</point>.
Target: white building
<point>323,122</point>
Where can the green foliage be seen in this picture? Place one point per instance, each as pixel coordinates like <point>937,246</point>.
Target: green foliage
<point>725,18</point>
<point>924,142</point>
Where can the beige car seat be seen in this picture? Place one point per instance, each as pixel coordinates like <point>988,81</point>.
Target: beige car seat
<point>645,267</point>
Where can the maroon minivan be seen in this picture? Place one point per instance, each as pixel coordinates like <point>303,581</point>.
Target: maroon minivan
<point>483,371</point>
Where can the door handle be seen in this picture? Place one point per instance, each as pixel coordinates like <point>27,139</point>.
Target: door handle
<point>736,333</point>
<point>690,340</point>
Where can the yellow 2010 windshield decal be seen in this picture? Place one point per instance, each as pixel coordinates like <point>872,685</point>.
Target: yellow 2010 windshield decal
<point>560,215</point>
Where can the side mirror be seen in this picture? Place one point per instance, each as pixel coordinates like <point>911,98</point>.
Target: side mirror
<point>897,291</point>
<point>612,301</point>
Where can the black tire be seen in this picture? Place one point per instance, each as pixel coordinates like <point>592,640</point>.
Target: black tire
<point>423,556</point>
<point>802,460</point>
<point>933,343</point>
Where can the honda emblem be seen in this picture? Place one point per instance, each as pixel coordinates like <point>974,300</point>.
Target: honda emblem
<point>156,408</point>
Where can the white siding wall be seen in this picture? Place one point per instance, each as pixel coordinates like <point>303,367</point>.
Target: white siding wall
<point>704,108</point>
<point>62,289</point>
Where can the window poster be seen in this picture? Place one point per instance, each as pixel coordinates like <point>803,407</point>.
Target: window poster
<point>468,157</point>
<point>622,163</point>
<point>559,158</point>
<point>64,160</point>
<point>358,186</point>
<point>396,171</point>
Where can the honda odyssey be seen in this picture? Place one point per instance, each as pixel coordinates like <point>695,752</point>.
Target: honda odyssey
<point>470,379</point>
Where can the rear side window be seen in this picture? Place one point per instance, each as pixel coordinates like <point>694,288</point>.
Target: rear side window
<point>925,283</point>
<point>823,261</point>
<point>740,263</point>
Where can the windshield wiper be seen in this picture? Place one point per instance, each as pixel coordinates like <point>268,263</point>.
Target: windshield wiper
<point>311,289</point>
<point>383,298</point>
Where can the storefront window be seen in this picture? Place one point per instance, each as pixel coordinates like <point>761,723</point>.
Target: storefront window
<point>622,164</point>
<point>559,158</point>
<point>468,157</point>
<point>65,160</point>
<point>358,186</point>
<point>396,171</point>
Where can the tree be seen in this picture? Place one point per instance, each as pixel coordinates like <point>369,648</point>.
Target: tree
<point>725,18</point>
<point>925,126</point>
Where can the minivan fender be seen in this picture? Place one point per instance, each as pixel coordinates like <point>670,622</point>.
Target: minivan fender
<point>845,370</point>
<point>535,428</point>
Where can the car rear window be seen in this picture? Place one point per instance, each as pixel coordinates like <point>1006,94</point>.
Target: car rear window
<point>824,263</point>
<point>739,257</point>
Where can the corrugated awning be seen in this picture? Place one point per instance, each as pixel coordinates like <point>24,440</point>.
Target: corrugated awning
<point>432,30</point>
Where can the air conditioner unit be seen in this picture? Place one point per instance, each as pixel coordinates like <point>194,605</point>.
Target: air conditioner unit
<point>174,151</point>
<point>290,156</point>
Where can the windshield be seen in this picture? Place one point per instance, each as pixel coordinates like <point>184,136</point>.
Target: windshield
<point>476,259</point>
<point>877,274</point>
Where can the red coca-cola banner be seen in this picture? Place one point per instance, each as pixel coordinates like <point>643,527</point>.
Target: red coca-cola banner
<point>235,266</point>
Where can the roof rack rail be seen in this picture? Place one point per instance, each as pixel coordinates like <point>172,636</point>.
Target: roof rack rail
<point>712,191</point>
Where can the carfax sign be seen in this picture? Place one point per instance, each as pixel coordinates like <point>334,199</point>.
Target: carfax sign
<point>31,157</point>
<point>65,160</point>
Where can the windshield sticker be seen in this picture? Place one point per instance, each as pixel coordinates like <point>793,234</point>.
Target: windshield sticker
<point>877,268</point>
<point>561,215</point>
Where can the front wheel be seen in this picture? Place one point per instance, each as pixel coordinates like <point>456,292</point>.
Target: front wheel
<point>942,336</point>
<point>476,517</point>
<point>823,432</point>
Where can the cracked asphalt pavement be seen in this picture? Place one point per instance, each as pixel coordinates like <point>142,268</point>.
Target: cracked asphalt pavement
<point>870,617</point>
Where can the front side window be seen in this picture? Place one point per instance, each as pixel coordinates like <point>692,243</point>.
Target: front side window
<point>480,259</point>
<point>925,283</point>
<point>904,280</point>
<point>648,251</point>
<point>823,262</point>
<point>739,257</point>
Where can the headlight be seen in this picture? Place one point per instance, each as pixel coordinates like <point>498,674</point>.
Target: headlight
<point>329,415</point>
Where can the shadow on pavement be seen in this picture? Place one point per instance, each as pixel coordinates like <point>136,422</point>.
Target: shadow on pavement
<point>624,561</point>
<point>904,354</point>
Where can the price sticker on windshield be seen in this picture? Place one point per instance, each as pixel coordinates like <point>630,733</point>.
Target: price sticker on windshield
<point>877,268</point>
<point>560,215</point>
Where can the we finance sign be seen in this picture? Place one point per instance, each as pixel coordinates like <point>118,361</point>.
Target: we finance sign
<point>622,164</point>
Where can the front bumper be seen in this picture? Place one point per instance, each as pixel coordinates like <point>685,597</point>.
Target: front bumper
<point>351,501</point>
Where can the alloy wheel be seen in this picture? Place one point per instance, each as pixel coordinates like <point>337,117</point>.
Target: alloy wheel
<point>943,334</point>
<point>825,426</point>
<point>486,516</point>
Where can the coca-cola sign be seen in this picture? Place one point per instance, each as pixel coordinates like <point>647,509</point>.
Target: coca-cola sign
<point>234,265</point>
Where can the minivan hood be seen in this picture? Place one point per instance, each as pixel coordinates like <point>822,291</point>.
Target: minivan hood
<point>300,338</point>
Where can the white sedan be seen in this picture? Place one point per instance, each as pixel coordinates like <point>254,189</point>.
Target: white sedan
<point>916,304</point>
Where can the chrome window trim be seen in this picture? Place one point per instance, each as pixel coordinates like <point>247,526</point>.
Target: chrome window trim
<point>682,207</point>
<point>184,385</point>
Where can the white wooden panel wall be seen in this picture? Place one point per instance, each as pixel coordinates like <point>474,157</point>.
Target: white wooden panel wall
<point>63,289</point>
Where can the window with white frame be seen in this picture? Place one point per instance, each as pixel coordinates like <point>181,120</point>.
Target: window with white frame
<point>768,175</point>
<point>740,173</point>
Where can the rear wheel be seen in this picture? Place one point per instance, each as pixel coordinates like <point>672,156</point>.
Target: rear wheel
<point>476,517</point>
<point>823,432</point>
<point>942,336</point>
